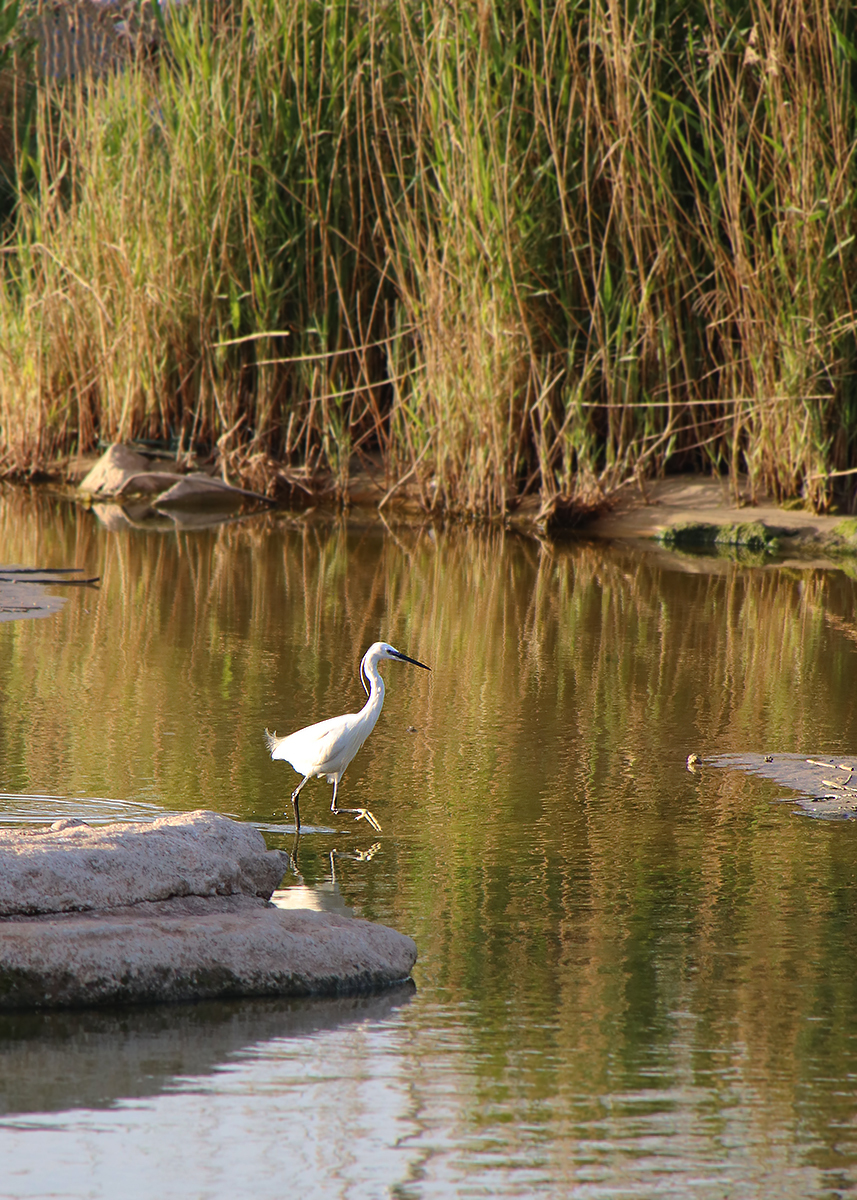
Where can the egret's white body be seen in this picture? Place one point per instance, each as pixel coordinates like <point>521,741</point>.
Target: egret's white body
<point>327,747</point>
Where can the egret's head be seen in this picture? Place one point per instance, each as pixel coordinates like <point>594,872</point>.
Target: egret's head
<point>385,650</point>
<point>377,652</point>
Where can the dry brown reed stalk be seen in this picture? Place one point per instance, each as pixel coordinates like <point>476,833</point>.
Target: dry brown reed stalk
<point>449,166</point>
<point>728,202</point>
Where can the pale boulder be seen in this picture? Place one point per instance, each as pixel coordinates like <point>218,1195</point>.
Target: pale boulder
<point>114,471</point>
<point>177,909</point>
<point>194,949</point>
<point>74,867</point>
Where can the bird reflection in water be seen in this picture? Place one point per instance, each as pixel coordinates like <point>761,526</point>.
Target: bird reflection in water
<point>321,897</point>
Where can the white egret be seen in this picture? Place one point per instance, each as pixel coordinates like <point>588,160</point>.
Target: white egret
<point>329,746</point>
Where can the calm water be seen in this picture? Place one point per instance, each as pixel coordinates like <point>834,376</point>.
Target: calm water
<point>633,981</point>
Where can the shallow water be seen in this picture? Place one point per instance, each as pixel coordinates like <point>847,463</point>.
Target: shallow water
<point>634,979</point>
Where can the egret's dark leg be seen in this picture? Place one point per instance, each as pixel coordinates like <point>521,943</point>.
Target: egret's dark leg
<point>359,813</point>
<point>295,804</point>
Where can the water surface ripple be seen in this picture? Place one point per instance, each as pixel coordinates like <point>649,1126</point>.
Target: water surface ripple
<point>635,979</point>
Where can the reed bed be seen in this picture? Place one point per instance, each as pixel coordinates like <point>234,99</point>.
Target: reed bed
<point>491,250</point>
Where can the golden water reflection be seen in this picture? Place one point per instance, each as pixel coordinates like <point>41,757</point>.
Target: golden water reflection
<point>614,951</point>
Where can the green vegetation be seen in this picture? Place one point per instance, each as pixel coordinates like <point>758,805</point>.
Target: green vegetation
<point>752,535</point>
<point>847,529</point>
<point>508,249</point>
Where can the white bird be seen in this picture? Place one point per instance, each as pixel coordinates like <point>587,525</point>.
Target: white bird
<point>329,746</point>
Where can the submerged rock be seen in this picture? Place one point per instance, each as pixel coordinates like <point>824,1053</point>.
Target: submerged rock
<point>173,910</point>
<point>822,786</point>
<point>23,590</point>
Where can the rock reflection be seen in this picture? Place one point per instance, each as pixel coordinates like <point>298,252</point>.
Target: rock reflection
<point>53,1061</point>
<point>324,897</point>
<point>148,518</point>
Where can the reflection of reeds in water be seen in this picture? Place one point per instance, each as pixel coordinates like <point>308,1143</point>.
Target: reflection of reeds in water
<point>552,845</point>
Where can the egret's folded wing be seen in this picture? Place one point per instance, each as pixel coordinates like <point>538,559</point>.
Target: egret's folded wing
<point>319,748</point>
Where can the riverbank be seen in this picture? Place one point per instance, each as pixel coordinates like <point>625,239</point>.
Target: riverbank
<point>683,512</point>
<point>690,511</point>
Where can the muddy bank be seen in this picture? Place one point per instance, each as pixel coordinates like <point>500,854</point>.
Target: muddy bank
<point>692,513</point>
<point>688,511</point>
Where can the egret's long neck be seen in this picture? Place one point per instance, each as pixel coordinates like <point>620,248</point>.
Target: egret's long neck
<point>375,701</point>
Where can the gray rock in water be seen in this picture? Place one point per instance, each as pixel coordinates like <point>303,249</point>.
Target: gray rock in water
<point>173,910</point>
<point>117,465</point>
<point>75,867</point>
<point>200,490</point>
<point>193,949</point>
<point>121,472</point>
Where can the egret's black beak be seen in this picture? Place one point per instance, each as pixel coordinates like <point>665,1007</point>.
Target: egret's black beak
<point>404,658</point>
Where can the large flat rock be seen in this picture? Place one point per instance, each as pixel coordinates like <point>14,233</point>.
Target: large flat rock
<point>74,867</point>
<point>190,949</point>
<point>174,909</point>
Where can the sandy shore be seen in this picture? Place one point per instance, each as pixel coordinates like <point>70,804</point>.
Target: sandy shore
<point>677,511</point>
